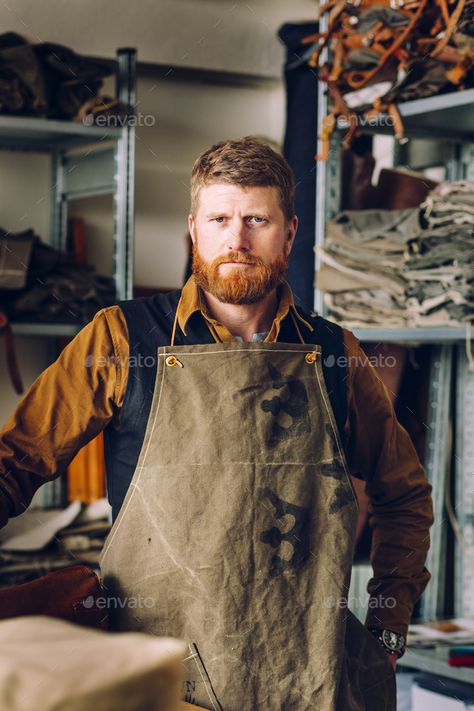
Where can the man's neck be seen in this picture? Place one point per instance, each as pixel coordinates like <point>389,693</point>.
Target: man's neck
<point>244,319</point>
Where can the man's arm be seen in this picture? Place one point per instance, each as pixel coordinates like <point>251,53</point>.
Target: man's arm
<point>68,404</point>
<point>401,510</point>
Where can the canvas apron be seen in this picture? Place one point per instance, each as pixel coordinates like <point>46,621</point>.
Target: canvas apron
<point>237,534</point>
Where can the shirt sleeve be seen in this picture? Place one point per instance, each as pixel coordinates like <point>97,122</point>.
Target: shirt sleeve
<point>400,509</point>
<point>67,405</point>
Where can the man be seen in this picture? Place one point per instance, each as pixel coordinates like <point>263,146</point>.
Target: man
<point>233,422</point>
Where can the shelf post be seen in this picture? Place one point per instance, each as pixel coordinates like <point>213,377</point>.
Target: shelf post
<point>124,177</point>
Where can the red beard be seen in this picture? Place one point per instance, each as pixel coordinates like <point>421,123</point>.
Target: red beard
<point>238,287</point>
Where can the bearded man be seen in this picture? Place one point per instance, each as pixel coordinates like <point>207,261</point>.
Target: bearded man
<point>234,423</point>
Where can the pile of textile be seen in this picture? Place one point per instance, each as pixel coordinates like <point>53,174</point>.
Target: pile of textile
<point>52,81</point>
<point>402,268</point>
<point>461,656</point>
<point>382,54</point>
<point>40,283</point>
<point>42,540</point>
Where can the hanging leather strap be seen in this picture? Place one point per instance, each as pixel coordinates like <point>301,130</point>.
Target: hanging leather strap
<point>450,27</point>
<point>359,79</point>
<point>443,5</point>
<point>397,123</point>
<point>335,12</point>
<point>339,108</point>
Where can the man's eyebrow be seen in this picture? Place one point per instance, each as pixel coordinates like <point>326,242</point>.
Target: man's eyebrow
<point>251,213</point>
<point>260,213</point>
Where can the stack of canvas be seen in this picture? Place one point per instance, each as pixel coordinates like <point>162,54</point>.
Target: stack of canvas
<point>399,268</point>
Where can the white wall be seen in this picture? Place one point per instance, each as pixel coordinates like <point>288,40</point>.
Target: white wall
<point>189,118</point>
<point>189,115</point>
<point>227,35</point>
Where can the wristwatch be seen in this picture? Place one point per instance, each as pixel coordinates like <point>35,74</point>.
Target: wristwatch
<point>392,642</point>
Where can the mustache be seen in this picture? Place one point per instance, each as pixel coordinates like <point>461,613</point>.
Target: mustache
<point>236,257</point>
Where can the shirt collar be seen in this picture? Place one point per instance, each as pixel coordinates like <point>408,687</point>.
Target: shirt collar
<point>192,301</point>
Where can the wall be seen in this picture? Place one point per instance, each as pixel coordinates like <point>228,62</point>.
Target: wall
<point>226,35</point>
<point>188,115</point>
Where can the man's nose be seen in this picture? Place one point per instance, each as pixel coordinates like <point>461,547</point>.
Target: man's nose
<point>237,238</point>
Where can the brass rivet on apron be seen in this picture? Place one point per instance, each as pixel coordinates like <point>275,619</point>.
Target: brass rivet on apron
<point>172,360</point>
<point>310,357</point>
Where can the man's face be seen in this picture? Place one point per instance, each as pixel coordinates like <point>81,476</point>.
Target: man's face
<point>241,242</point>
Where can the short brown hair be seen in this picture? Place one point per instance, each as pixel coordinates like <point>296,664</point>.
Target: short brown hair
<point>247,162</point>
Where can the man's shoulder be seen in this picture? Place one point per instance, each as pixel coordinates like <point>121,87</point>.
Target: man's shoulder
<point>331,337</point>
<point>159,302</point>
<point>322,328</point>
<point>147,311</point>
<point>326,329</point>
<point>148,320</point>
<point>137,312</point>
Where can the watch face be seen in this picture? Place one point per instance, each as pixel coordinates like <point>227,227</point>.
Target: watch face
<point>393,641</point>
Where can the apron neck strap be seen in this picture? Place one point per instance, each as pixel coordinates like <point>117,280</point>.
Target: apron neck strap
<point>175,322</point>
<point>297,328</point>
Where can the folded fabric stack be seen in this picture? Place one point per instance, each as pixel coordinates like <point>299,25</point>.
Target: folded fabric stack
<point>40,283</point>
<point>51,80</point>
<point>461,656</point>
<point>402,268</point>
<point>41,541</point>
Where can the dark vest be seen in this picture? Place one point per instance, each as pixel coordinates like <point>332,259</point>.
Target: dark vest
<point>150,322</point>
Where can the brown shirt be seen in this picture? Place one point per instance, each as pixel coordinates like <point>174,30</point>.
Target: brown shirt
<point>76,397</point>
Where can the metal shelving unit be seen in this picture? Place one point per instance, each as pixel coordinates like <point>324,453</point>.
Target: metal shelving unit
<point>449,117</point>
<point>464,495</point>
<point>445,116</point>
<point>86,161</point>
<point>412,335</point>
<point>438,469</point>
<point>449,462</point>
<point>328,179</point>
<point>58,330</point>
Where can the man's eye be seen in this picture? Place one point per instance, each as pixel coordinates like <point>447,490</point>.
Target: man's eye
<point>258,220</point>
<point>219,220</point>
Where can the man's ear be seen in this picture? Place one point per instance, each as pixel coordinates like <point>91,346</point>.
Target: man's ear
<point>291,233</point>
<point>191,228</point>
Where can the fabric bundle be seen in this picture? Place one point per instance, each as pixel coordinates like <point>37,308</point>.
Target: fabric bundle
<point>39,283</point>
<point>403,268</point>
<point>461,656</point>
<point>35,544</point>
<point>52,81</point>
